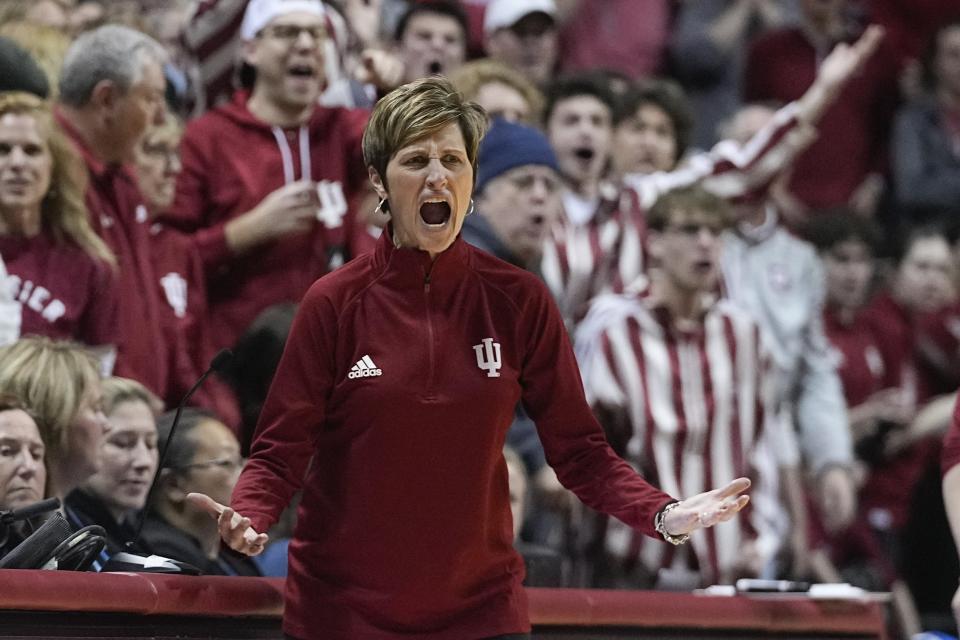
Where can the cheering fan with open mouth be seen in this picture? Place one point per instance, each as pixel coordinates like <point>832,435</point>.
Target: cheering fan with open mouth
<point>431,38</point>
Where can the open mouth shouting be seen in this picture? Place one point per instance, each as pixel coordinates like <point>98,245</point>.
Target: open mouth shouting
<point>584,153</point>
<point>301,71</point>
<point>584,158</point>
<point>303,74</point>
<point>435,212</point>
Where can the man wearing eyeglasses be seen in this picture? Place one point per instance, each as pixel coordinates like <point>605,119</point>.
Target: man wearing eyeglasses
<point>677,376</point>
<point>268,178</point>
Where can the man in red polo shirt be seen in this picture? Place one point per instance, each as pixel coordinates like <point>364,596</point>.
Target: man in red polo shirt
<point>111,88</point>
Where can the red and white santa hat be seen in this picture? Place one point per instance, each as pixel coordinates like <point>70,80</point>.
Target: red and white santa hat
<point>261,12</point>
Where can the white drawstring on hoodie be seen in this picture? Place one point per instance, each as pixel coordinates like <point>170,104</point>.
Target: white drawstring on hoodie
<point>287,156</point>
<point>333,206</point>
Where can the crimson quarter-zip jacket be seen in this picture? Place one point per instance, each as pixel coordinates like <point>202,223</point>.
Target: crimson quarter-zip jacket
<point>399,380</point>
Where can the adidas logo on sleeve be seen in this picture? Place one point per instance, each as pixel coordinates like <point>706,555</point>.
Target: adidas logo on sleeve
<point>364,369</point>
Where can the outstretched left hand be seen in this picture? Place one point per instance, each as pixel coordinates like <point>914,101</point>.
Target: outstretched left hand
<point>707,509</point>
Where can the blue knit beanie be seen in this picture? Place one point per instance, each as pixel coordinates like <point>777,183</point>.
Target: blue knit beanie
<point>508,145</point>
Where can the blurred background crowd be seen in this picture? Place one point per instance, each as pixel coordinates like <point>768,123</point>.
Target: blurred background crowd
<point>175,174</point>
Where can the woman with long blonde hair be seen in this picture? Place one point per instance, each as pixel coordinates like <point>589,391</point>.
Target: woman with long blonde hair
<point>58,268</point>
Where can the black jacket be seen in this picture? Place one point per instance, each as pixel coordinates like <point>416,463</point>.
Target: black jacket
<point>163,539</point>
<point>83,509</point>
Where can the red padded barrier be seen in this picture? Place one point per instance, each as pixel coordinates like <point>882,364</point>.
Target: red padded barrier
<point>775,613</point>
<point>157,594</point>
<point>142,593</point>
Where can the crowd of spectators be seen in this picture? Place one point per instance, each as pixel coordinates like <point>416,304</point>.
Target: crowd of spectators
<point>746,211</point>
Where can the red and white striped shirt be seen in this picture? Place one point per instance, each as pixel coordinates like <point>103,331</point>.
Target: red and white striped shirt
<point>212,36</point>
<point>606,253</point>
<point>696,404</point>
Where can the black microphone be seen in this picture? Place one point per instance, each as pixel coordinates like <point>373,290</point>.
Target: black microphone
<point>7,518</point>
<point>37,547</point>
<point>54,545</point>
<point>129,561</point>
<point>29,511</point>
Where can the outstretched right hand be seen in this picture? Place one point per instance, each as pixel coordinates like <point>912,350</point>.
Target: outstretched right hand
<point>235,530</point>
<point>708,508</point>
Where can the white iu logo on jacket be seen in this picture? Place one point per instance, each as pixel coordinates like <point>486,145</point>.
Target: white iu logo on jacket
<point>175,287</point>
<point>488,357</point>
<point>333,204</point>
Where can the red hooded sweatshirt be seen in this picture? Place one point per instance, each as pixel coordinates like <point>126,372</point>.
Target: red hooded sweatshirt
<point>231,162</point>
<point>397,386</point>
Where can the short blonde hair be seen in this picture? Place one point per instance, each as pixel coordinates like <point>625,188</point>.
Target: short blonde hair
<point>117,391</point>
<point>473,76</point>
<point>52,378</point>
<point>415,110</point>
<point>63,210</point>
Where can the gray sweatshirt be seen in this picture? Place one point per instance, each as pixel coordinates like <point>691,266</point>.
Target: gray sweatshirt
<point>779,279</point>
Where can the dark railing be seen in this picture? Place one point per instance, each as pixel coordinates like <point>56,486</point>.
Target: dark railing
<point>52,604</point>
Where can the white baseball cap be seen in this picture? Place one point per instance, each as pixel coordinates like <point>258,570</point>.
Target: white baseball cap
<point>261,12</point>
<point>502,14</point>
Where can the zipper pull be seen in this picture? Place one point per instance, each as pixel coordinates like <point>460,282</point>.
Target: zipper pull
<point>426,282</point>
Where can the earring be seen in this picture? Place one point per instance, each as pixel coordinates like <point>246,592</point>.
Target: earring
<point>470,209</point>
<point>380,208</point>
